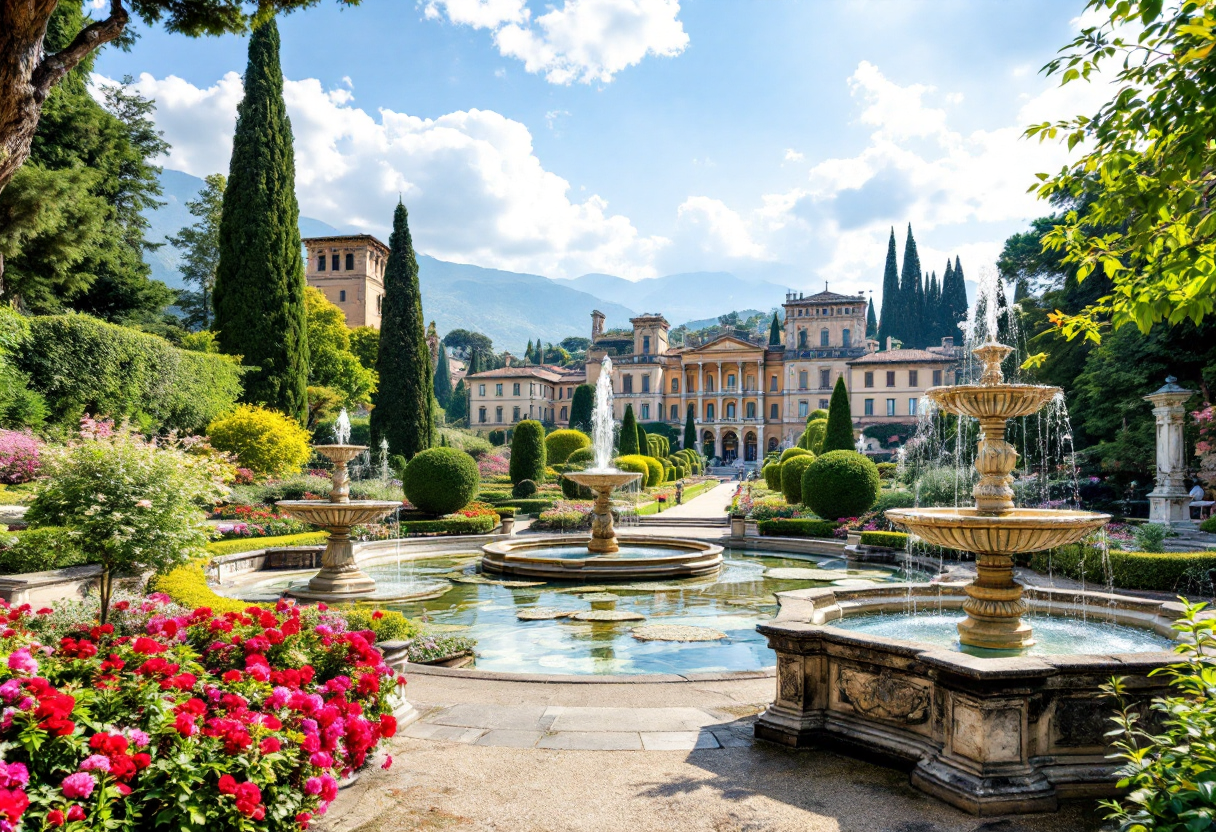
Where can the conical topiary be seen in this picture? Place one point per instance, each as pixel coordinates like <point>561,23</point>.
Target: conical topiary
<point>839,433</point>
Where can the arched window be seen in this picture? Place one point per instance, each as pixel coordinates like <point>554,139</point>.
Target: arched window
<point>824,337</point>
<point>709,412</point>
<point>709,384</point>
<point>350,262</point>
<point>772,443</point>
<point>751,410</point>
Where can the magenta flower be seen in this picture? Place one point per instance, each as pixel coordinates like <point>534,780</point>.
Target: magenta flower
<point>96,762</point>
<point>78,786</point>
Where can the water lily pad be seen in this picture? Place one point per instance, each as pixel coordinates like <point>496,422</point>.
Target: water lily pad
<point>675,632</point>
<point>608,615</point>
<point>460,578</point>
<point>543,613</point>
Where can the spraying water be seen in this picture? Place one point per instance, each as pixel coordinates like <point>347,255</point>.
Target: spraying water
<point>342,429</point>
<point>384,459</point>
<point>602,425</point>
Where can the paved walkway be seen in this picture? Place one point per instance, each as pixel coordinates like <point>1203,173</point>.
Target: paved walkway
<point>710,504</point>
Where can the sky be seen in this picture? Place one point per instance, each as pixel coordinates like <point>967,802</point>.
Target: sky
<point>775,139</point>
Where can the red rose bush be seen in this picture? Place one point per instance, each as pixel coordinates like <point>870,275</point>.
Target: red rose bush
<point>178,719</point>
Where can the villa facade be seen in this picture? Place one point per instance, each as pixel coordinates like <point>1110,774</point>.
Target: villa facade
<point>747,397</point>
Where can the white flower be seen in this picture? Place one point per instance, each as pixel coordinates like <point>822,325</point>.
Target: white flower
<point>144,504</point>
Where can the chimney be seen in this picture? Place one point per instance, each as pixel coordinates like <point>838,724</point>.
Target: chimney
<point>948,342</point>
<point>507,358</point>
<point>889,340</point>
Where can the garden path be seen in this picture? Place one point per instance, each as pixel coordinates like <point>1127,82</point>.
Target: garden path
<point>711,504</point>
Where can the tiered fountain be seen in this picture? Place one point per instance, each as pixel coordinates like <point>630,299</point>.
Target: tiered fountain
<point>993,723</point>
<point>602,557</point>
<point>340,578</point>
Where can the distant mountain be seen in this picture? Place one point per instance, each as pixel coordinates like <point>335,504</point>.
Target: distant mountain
<point>744,314</point>
<point>684,297</point>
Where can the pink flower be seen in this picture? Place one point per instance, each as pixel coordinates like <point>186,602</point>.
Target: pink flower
<point>78,786</point>
<point>312,785</point>
<point>22,662</point>
<point>96,762</point>
<point>388,762</point>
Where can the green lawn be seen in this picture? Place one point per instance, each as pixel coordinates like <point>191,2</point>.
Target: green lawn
<point>690,492</point>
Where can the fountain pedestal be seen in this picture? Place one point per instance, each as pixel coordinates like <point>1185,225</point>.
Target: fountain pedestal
<point>603,535</point>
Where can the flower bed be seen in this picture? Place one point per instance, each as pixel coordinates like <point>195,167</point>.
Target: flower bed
<point>184,720</point>
<point>565,516</point>
<point>434,648</point>
<point>255,521</point>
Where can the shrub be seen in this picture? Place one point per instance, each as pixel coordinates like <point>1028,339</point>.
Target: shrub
<point>262,440</point>
<point>792,452</point>
<point>635,463</point>
<point>654,472</point>
<point>817,414</point>
<point>893,498</point>
<point>581,456</point>
<point>450,525</point>
<point>1155,571</point>
<point>889,540</point>
<point>812,438</point>
<point>887,470</point>
<point>840,484</point>
<point>943,487</point>
<point>497,437</point>
<point>561,443</point>
<point>504,512</point>
<point>288,488</point>
<point>232,547</point>
<point>791,476</point>
<point>1208,525</point>
<point>772,476</point>
<point>528,452</point>
<point>1150,537</point>
<point>440,480</point>
<point>187,585</point>
<point>80,364</point>
<point>18,456</point>
<point>534,506</point>
<point>797,528</point>
<point>388,625</point>
<point>40,550</point>
<point>523,488</point>
<point>838,435</point>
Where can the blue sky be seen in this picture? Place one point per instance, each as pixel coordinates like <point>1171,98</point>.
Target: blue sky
<point>642,137</point>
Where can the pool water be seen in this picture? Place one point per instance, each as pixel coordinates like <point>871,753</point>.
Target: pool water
<point>1054,635</point>
<point>733,602</point>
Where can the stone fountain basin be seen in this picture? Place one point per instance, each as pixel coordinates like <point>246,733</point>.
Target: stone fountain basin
<point>1021,531</point>
<point>593,479</point>
<point>328,515</point>
<point>992,401</point>
<point>526,557</point>
<point>990,736</point>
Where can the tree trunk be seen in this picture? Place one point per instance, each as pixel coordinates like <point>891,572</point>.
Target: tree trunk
<point>105,587</point>
<point>27,74</point>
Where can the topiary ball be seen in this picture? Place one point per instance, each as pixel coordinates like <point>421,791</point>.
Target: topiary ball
<point>840,484</point>
<point>523,488</point>
<point>791,452</point>
<point>560,444</point>
<point>635,463</point>
<point>440,480</point>
<point>581,457</point>
<point>791,476</point>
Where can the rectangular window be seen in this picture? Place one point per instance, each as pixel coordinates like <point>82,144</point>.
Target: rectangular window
<point>824,337</point>
<point>515,414</point>
<point>912,407</point>
<point>626,384</point>
<point>825,379</point>
<point>481,389</point>
<point>890,407</point>
<point>824,404</point>
<point>913,378</point>
<point>675,413</point>
<point>515,388</point>
<point>802,377</point>
<point>341,296</point>
<point>804,409</point>
<point>645,384</point>
<point>646,412</point>
<point>773,411</point>
<point>937,378</point>
<point>321,263</point>
<point>675,385</point>
<point>569,392</point>
<point>481,414</point>
<point>772,384</point>
<point>891,378</point>
<point>869,379</point>
<point>645,345</point>
<point>497,389</point>
<point>730,381</point>
<point>848,339</point>
<point>869,409</point>
<point>564,416</point>
<point>751,410</point>
<point>498,415</point>
<point>333,262</point>
<point>709,412</point>
<point>350,262</point>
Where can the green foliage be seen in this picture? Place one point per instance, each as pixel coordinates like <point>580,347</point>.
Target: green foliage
<point>888,540</point>
<point>581,407</point>
<point>1169,771</point>
<point>1148,229</point>
<point>443,379</point>
<point>888,324</point>
<point>560,444</point>
<point>403,401</point>
<point>812,438</point>
<point>643,440</point>
<point>654,475</point>
<point>581,456</point>
<point>816,414</point>
<point>943,487</point>
<point>789,453</point>
<point>365,344</point>
<point>627,442</point>
<point>1208,525</point>
<point>690,430</point>
<point>199,246</point>
<point>528,452</point>
<point>238,545</point>
<point>1150,537</point>
<point>838,436</point>
<point>331,362</point>
<point>40,550</point>
<point>440,480</point>
<point>533,506</point>
<point>772,475</point>
<point>259,282</point>
<point>840,484</point>
<point>787,527</point>
<point>893,498</point>
<point>262,440</point>
<point>523,488</point>
<point>135,505</point>
<point>187,585</point>
<point>774,332</point>
<point>1155,571</point>
<point>389,625</point>
<point>887,470</point>
<point>458,405</point>
<point>635,463</point>
<point>80,364</point>
<point>482,524</point>
<point>791,476</point>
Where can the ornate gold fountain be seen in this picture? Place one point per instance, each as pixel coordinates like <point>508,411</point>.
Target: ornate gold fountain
<point>994,529</point>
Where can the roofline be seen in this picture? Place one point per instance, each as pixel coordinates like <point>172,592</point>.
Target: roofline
<point>345,238</point>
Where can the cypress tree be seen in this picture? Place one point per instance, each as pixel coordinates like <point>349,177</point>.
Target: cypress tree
<point>955,300</point>
<point>581,405</point>
<point>458,404</point>
<point>628,441</point>
<point>888,324</point>
<point>774,332</point>
<point>443,378</point>
<point>643,440</point>
<point>402,413</point>
<point>527,452</point>
<point>871,321</point>
<point>259,281</point>
<point>931,320</point>
<point>839,433</point>
<point>474,364</point>
<point>910,294</point>
<point>945,320</point>
<point>690,430</point>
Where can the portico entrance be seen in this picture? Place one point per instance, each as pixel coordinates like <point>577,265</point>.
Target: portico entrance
<point>749,447</point>
<point>730,447</point>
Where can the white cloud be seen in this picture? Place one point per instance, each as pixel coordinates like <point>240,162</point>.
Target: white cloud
<point>792,155</point>
<point>584,40</point>
<point>707,224</point>
<point>475,188</point>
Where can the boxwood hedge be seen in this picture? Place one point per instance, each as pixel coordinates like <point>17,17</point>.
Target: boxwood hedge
<point>784,527</point>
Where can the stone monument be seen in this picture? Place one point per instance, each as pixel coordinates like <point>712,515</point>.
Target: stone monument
<point>1169,502</point>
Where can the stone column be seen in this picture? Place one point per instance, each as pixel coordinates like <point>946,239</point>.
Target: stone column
<point>1169,502</point>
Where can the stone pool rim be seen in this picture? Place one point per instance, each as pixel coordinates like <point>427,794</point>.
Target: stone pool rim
<point>520,557</point>
<point>590,679</point>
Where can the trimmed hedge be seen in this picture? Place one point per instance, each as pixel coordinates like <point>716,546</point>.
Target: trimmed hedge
<point>581,457</point>
<point>80,364</point>
<point>450,525</point>
<point>772,476</point>
<point>441,480</point>
<point>887,470</point>
<point>1208,525</point>
<point>40,550</point>
<point>784,527</point>
<point>523,489</point>
<point>535,506</point>
<point>840,484</point>
<point>561,443</point>
<point>1159,571</point>
<point>635,463</point>
<point>528,452</point>
<point>792,452</point>
<point>504,511</point>
<point>791,476</point>
<point>889,540</point>
<point>251,544</point>
<point>654,475</point>
<point>493,496</point>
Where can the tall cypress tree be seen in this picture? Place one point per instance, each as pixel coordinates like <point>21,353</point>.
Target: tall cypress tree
<point>956,300</point>
<point>474,364</point>
<point>888,324</point>
<point>690,430</point>
<point>945,320</point>
<point>458,404</point>
<point>838,436</point>
<point>581,406</point>
<point>931,319</point>
<point>910,294</point>
<point>628,440</point>
<point>403,403</point>
<point>259,281</point>
<point>443,378</point>
<point>871,321</point>
<point>643,441</point>
<point>774,332</point>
